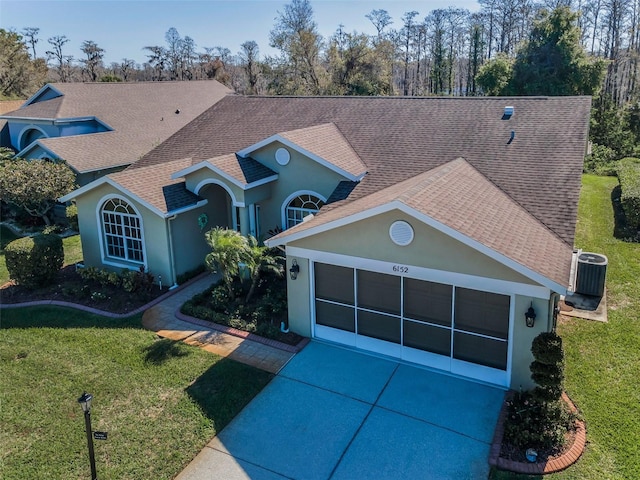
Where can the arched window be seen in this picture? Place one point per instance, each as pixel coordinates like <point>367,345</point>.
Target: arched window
<point>301,206</point>
<point>121,230</point>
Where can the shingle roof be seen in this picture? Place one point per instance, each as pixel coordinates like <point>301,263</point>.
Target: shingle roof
<point>457,195</point>
<point>244,170</point>
<point>327,142</point>
<point>141,114</point>
<point>9,105</point>
<point>154,185</point>
<point>399,138</point>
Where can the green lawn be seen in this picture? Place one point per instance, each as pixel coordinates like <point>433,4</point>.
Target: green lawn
<point>72,251</point>
<point>160,401</point>
<point>603,359</point>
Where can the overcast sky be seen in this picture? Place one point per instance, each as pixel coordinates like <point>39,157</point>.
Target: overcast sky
<point>122,28</point>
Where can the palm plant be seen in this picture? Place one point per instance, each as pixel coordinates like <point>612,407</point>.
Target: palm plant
<point>228,249</point>
<point>261,259</point>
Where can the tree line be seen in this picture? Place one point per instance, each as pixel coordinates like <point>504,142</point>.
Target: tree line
<point>439,53</point>
<point>508,47</point>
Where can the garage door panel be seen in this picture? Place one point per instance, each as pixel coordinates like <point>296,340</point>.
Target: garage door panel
<point>484,351</point>
<point>382,327</point>
<point>334,283</point>
<point>482,312</point>
<point>427,337</point>
<point>377,291</point>
<point>427,301</point>
<point>335,316</point>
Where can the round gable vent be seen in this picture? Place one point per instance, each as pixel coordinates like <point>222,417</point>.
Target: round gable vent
<point>283,156</point>
<point>401,233</point>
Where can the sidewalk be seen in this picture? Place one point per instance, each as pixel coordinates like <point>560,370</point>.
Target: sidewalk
<point>161,318</point>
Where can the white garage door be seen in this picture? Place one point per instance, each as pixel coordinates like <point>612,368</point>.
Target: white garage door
<point>451,328</point>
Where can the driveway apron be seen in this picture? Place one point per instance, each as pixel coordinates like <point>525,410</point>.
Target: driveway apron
<point>335,413</point>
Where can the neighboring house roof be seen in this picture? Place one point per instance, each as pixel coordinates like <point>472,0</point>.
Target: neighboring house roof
<point>141,115</point>
<point>10,105</point>
<point>399,138</point>
<point>459,200</point>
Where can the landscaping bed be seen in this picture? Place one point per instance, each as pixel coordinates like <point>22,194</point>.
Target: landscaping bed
<point>263,314</point>
<point>71,287</point>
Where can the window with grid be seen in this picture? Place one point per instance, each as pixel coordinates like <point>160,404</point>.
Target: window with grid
<point>302,206</point>
<point>122,232</point>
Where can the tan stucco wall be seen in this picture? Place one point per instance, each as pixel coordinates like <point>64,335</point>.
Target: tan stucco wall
<point>430,248</point>
<point>154,231</point>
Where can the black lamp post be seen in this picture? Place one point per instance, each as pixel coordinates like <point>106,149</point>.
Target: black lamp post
<point>85,403</point>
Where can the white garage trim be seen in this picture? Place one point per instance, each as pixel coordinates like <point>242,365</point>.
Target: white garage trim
<point>491,285</point>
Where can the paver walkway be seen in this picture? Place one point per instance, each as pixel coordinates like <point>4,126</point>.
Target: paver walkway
<point>161,318</point>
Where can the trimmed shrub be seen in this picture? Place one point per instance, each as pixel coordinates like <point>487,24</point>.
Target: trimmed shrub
<point>629,177</point>
<point>72,216</point>
<point>34,261</point>
<point>547,370</point>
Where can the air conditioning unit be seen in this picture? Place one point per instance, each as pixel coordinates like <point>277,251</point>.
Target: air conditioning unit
<point>591,274</point>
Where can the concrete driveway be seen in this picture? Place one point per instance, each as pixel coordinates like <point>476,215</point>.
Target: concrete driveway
<point>334,413</point>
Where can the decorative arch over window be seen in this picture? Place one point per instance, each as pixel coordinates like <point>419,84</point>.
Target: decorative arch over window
<point>122,231</point>
<point>299,205</point>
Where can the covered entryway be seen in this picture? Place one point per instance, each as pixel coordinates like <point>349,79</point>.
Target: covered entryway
<point>456,329</point>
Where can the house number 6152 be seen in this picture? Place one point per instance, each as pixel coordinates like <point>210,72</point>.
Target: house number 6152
<point>400,269</point>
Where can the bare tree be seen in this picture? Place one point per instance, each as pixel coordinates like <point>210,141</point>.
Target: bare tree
<point>249,60</point>
<point>63,61</point>
<point>380,20</point>
<point>31,34</point>
<point>94,58</point>
<point>126,67</point>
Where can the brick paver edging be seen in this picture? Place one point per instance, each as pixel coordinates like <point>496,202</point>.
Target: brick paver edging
<point>104,313</point>
<point>565,460</point>
<point>242,334</point>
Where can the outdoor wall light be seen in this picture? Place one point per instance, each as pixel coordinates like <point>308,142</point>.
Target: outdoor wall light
<point>85,403</point>
<point>530,316</point>
<point>294,270</point>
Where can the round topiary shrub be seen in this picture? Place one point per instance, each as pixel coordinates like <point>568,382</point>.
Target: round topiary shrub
<point>34,261</point>
<point>547,370</point>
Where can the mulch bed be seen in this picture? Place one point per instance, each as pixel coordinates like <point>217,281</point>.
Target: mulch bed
<point>507,457</point>
<point>70,287</point>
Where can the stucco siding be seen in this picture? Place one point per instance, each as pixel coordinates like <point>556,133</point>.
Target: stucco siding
<point>430,248</point>
<point>206,176</point>
<point>299,296</point>
<point>153,227</point>
<point>300,174</point>
<point>523,336</point>
<point>189,245</point>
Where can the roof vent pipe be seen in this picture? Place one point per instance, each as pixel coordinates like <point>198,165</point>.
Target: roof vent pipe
<point>512,136</point>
